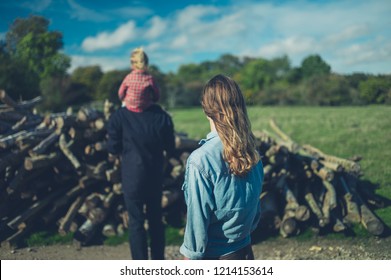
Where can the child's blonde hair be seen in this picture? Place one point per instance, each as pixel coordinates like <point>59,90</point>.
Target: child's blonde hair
<point>139,59</point>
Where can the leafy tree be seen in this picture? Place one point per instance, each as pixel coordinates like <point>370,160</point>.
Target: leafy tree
<point>229,64</point>
<point>314,65</point>
<point>375,90</point>
<point>173,89</point>
<point>15,79</point>
<point>22,27</point>
<point>30,42</point>
<point>53,88</point>
<point>160,79</point>
<point>328,90</point>
<point>33,61</point>
<point>259,75</point>
<point>39,52</point>
<point>109,84</point>
<point>294,76</point>
<point>88,76</point>
<point>190,72</point>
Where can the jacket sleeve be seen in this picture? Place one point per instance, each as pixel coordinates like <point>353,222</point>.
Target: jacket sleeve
<point>257,217</point>
<point>122,89</point>
<point>199,200</point>
<point>114,132</point>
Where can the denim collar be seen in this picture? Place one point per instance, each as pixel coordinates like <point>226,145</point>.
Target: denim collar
<point>209,136</point>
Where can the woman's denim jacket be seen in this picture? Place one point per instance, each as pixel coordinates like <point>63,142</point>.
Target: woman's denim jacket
<point>222,209</point>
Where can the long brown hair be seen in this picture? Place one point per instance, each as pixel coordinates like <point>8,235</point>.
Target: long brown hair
<point>223,102</point>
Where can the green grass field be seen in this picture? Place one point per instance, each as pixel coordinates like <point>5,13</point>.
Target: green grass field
<point>339,131</point>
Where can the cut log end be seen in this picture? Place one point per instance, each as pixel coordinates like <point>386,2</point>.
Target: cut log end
<point>288,227</point>
<point>375,227</point>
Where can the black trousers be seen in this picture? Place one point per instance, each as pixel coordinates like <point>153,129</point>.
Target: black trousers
<point>138,239</point>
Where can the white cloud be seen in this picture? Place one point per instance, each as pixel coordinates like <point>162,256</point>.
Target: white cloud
<point>366,53</point>
<point>192,15</point>
<point>157,28</point>
<point>342,32</point>
<point>106,40</point>
<point>180,41</point>
<point>132,12</point>
<point>155,46</point>
<point>349,33</point>
<point>106,63</point>
<point>205,28</point>
<point>84,14</point>
<point>38,5</point>
<point>290,45</point>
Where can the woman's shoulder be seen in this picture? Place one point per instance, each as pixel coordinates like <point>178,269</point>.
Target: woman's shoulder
<point>207,156</point>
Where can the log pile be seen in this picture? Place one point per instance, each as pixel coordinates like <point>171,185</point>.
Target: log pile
<point>55,173</point>
<point>305,187</point>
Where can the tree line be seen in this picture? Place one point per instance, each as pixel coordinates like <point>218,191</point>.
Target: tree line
<point>32,63</point>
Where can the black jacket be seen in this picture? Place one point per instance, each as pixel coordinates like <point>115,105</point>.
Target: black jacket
<point>141,139</point>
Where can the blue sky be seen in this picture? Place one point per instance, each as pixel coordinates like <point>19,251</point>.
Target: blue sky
<point>350,35</point>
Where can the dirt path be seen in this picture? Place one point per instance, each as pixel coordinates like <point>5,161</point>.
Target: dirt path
<point>278,249</point>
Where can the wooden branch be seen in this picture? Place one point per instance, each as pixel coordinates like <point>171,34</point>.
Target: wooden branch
<point>6,99</point>
<point>18,180</point>
<point>286,140</point>
<point>270,219</point>
<point>10,140</point>
<point>33,210</point>
<point>66,222</point>
<point>15,240</point>
<point>45,144</point>
<point>13,158</point>
<point>60,203</point>
<point>326,208</point>
<point>87,114</point>
<point>321,171</point>
<point>352,209</point>
<point>101,146</point>
<point>348,165</point>
<point>40,161</point>
<point>97,171</point>
<point>332,194</point>
<point>108,109</point>
<point>109,230</point>
<point>28,104</point>
<point>169,197</point>
<point>309,197</point>
<point>332,165</point>
<point>368,219</point>
<point>338,226</point>
<point>24,105</point>
<point>113,175</point>
<point>64,146</point>
<point>95,217</point>
<point>288,225</point>
<point>100,124</point>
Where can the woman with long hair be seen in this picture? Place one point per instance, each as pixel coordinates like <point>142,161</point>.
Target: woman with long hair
<point>223,179</point>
